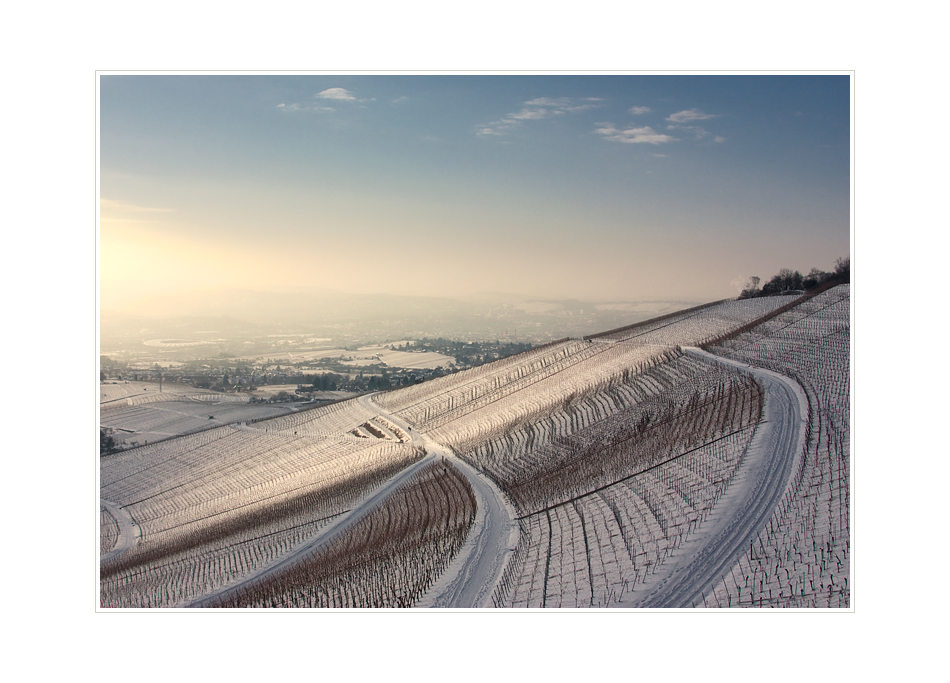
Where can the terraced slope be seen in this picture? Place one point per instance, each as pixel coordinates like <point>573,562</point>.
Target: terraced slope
<point>612,452</point>
<point>803,557</point>
<point>221,503</point>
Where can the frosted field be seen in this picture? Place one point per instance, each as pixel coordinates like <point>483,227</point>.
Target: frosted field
<point>138,412</point>
<point>610,484</point>
<point>388,559</point>
<point>109,392</point>
<point>363,356</point>
<point>611,455</point>
<point>161,420</point>
<point>803,559</point>
<point>213,506</point>
<point>425,360</point>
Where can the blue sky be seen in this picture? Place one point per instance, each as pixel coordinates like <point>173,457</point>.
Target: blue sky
<point>593,187</point>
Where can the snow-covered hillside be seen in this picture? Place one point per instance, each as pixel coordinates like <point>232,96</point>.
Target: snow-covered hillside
<point>610,459</point>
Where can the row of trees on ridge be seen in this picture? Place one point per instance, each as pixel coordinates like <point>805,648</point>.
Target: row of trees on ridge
<point>788,281</point>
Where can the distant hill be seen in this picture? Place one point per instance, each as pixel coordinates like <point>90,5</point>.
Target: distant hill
<point>372,316</point>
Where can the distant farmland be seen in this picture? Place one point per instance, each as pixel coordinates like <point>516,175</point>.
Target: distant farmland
<point>616,470</point>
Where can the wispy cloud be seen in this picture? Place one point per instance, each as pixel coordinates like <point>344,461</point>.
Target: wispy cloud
<point>539,108</point>
<point>563,105</point>
<point>336,94</point>
<point>549,102</point>
<point>494,128</point>
<point>641,135</point>
<point>697,132</point>
<point>323,99</point>
<point>684,122</point>
<point>688,115</point>
<point>490,129</point>
<point>119,205</point>
<point>636,111</point>
<point>296,106</point>
<point>526,113</point>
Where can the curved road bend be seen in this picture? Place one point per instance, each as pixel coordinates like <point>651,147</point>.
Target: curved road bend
<point>129,532</point>
<point>471,577</point>
<point>696,567</point>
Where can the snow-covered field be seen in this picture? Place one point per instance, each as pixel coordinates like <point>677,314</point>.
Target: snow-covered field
<point>803,557</point>
<point>179,414</point>
<point>113,391</point>
<point>143,412</point>
<point>364,356</point>
<point>594,467</point>
<point>412,360</point>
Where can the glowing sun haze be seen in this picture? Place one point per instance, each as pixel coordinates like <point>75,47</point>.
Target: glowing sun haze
<point>591,187</point>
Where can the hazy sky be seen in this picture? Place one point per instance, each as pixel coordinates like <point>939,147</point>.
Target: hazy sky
<point>593,187</point>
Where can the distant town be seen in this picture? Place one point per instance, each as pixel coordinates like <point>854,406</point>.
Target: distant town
<point>370,368</point>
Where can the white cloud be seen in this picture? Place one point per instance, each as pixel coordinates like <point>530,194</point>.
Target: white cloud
<point>336,94</point>
<point>566,103</point>
<point>689,115</point>
<point>539,108</point>
<point>636,111</point>
<point>719,138</point>
<point>526,113</point>
<point>633,135</point>
<point>549,102</point>
<point>579,107</point>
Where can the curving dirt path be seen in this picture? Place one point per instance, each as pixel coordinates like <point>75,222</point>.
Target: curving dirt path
<point>747,504</point>
<point>129,532</point>
<point>471,577</point>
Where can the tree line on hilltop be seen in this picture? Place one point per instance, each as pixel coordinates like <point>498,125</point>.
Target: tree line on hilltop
<point>791,281</point>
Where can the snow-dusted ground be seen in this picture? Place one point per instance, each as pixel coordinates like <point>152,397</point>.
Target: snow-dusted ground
<point>216,505</point>
<point>160,420</point>
<point>745,507</point>
<point>471,578</point>
<point>473,575</point>
<point>599,512</point>
<point>129,532</point>
<point>411,360</point>
<point>469,581</point>
<point>318,540</point>
<point>164,490</point>
<point>802,559</point>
